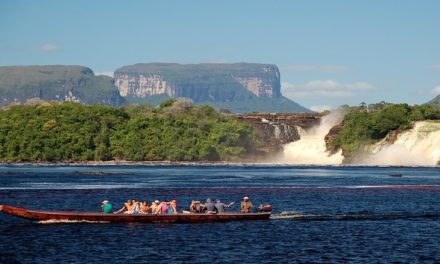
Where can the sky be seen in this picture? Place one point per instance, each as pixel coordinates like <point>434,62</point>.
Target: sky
<point>329,52</point>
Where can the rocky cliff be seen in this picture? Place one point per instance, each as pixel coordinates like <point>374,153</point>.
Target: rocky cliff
<point>18,84</point>
<point>277,129</point>
<point>240,87</point>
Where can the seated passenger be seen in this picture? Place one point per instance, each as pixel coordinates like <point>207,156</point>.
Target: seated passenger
<point>173,207</point>
<point>164,206</point>
<point>220,207</point>
<point>106,207</point>
<point>210,207</point>
<point>144,208</point>
<point>135,208</point>
<point>246,205</point>
<point>126,208</point>
<point>196,207</point>
<point>155,207</point>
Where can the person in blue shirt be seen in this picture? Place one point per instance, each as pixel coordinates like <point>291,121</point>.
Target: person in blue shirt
<point>106,207</point>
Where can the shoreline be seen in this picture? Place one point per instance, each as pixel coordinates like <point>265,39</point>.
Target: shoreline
<point>121,162</point>
<point>200,163</point>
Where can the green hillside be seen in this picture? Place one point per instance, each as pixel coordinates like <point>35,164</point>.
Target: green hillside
<point>74,132</point>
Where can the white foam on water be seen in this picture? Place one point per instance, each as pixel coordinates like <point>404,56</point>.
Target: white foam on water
<point>287,215</point>
<point>70,222</point>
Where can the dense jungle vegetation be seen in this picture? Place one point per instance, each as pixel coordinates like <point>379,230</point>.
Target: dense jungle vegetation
<point>176,130</point>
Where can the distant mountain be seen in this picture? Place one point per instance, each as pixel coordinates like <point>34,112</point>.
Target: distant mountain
<point>240,87</point>
<point>19,84</point>
<point>435,101</point>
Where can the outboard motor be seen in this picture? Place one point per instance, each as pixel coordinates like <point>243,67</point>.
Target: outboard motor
<point>266,208</point>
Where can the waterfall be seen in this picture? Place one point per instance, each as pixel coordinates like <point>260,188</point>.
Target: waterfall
<point>418,146</point>
<point>283,133</point>
<point>276,132</point>
<point>311,148</point>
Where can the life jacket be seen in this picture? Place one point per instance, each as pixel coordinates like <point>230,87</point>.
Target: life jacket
<point>170,210</point>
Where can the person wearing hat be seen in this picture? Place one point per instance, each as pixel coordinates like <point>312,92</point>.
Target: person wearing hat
<point>106,207</point>
<point>246,205</point>
<point>155,207</point>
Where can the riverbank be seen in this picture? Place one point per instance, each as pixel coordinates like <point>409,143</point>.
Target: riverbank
<point>127,162</point>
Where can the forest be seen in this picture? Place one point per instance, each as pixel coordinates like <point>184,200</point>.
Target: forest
<point>174,131</point>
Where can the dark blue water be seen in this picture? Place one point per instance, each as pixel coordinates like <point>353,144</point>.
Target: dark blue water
<point>349,214</point>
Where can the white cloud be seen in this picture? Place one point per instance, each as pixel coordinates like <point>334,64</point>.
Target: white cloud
<point>436,66</point>
<point>436,90</point>
<point>324,88</point>
<point>315,68</point>
<point>320,108</point>
<point>49,47</point>
<point>109,73</point>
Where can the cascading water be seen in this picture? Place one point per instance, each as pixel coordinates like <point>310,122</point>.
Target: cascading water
<point>311,148</point>
<point>418,146</point>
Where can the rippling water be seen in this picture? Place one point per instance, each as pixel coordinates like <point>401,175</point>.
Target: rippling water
<point>321,214</point>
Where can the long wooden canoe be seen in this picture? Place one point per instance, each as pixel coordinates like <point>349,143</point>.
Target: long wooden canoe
<point>73,216</point>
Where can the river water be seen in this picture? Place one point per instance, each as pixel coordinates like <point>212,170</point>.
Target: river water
<point>321,214</point>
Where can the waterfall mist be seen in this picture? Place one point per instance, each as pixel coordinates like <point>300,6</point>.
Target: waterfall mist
<point>311,148</point>
<point>418,146</point>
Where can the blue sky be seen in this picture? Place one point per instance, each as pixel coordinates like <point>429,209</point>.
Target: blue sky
<point>329,52</point>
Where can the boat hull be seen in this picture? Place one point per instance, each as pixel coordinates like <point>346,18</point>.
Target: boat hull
<point>66,216</point>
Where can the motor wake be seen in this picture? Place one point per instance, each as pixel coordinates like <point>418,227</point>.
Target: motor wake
<point>297,216</point>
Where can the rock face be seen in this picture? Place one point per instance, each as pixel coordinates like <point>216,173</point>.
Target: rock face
<point>332,134</point>
<point>139,85</point>
<point>276,129</point>
<point>240,87</point>
<point>19,84</point>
